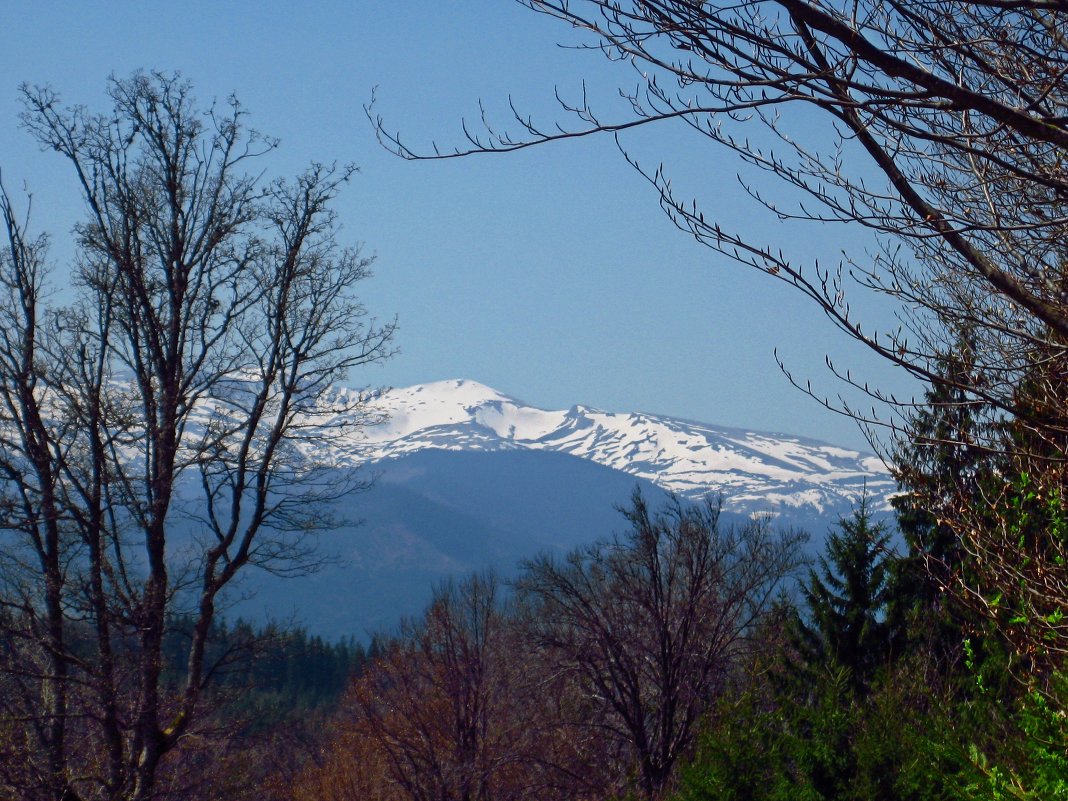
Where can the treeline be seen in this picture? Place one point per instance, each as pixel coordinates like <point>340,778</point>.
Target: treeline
<point>684,658</point>
<point>266,675</point>
<point>269,692</point>
<point>638,668</point>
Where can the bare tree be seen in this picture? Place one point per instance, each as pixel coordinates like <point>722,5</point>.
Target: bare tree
<point>960,105</point>
<point>460,707</point>
<point>594,674</point>
<point>654,624</point>
<point>186,384</point>
<point>439,703</point>
<point>961,108</point>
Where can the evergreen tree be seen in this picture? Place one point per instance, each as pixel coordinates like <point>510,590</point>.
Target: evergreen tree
<point>942,463</point>
<point>847,599</point>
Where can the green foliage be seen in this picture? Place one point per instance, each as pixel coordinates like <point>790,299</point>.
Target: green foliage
<point>739,755</point>
<point>1024,754</point>
<point>1043,723</point>
<point>1029,609</point>
<point>895,745</point>
<point>906,746</point>
<point>1028,760</point>
<point>845,713</point>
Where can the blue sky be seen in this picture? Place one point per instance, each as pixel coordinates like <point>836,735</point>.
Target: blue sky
<point>550,274</point>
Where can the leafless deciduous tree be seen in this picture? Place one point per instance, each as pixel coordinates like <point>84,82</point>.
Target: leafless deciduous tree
<point>460,708</point>
<point>949,141</point>
<point>653,624</point>
<point>438,701</point>
<point>213,312</point>
<point>960,105</point>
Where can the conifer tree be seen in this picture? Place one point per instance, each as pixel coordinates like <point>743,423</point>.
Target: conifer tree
<point>941,461</point>
<point>847,598</point>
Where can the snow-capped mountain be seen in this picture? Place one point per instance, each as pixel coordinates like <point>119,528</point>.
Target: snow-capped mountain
<point>754,471</point>
<point>468,478</point>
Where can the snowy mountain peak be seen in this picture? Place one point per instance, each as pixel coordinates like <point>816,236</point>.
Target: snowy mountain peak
<point>470,477</point>
<point>426,406</point>
<point>754,471</point>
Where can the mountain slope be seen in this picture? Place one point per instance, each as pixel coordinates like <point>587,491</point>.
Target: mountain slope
<point>468,478</point>
<point>433,515</point>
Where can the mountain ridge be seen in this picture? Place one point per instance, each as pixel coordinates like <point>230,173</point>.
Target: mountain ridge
<point>468,478</point>
<point>754,470</point>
